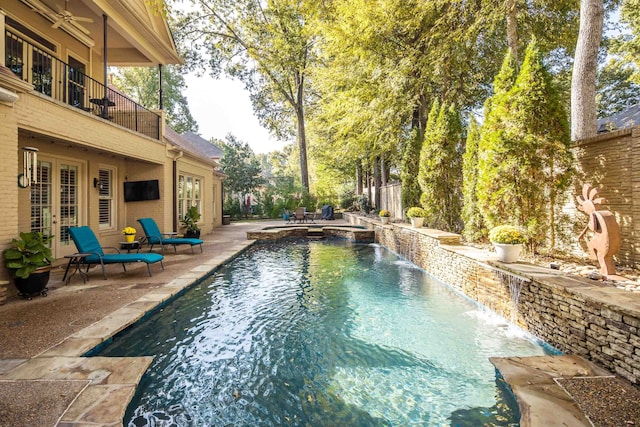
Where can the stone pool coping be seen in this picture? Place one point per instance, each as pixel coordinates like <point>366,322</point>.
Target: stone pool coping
<point>100,389</point>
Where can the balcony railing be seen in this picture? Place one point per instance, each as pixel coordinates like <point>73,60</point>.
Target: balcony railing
<point>69,84</point>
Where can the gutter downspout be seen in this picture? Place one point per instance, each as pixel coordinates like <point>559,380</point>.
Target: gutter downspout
<point>160,86</point>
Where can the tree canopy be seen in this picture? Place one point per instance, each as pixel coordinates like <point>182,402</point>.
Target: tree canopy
<point>354,80</point>
<point>266,45</point>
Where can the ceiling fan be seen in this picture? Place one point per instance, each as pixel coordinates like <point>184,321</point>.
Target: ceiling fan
<point>64,16</point>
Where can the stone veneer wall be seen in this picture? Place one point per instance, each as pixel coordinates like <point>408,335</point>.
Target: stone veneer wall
<point>575,315</point>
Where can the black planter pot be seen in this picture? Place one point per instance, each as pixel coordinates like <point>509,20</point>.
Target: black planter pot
<point>192,234</point>
<point>36,283</point>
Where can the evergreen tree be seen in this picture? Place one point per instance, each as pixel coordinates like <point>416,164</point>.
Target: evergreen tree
<point>409,170</point>
<point>491,154</point>
<point>474,227</point>
<point>423,168</point>
<point>440,174</point>
<point>525,160</point>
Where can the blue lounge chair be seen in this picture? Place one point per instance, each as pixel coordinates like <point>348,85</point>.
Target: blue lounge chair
<point>287,216</point>
<point>87,243</point>
<point>155,237</point>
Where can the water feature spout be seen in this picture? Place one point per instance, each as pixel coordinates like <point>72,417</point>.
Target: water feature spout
<point>408,244</point>
<point>515,283</point>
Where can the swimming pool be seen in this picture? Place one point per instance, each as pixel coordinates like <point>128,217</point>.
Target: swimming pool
<point>321,333</point>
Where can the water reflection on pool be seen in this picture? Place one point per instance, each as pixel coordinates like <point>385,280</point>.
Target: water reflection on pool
<point>321,333</point>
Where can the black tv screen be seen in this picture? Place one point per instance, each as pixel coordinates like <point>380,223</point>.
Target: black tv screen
<point>136,191</point>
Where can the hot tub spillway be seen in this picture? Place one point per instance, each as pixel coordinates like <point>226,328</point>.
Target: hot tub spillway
<point>353,233</point>
<point>315,233</point>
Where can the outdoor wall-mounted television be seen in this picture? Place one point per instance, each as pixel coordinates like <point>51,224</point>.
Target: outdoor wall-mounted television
<point>136,191</point>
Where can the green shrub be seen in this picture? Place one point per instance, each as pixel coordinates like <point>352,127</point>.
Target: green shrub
<point>28,253</point>
<point>347,199</point>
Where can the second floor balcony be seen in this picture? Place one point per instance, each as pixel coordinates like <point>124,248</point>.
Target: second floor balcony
<point>68,83</point>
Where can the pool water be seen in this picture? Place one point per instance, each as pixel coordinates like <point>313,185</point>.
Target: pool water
<point>321,333</point>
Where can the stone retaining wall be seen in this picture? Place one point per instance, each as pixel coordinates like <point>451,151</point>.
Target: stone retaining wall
<point>576,315</point>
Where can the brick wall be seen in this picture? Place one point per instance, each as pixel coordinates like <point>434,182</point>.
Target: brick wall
<point>575,315</point>
<point>8,176</point>
<point>610,162</point>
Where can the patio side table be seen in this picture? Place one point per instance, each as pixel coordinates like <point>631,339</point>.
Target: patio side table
<point>77,261</point>
<point>130,246</point>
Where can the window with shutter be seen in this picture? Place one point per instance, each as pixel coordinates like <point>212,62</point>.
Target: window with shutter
<point>105,198</point>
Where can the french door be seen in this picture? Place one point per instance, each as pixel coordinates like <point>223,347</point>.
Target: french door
<point>55,202</point>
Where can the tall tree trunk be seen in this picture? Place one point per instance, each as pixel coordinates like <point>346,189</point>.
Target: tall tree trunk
<point>359,178</point>
<point>423,113</point>
<point>583,80</point>
<point>512,29</point>
<point>367,175</point>
<point>302,136</point>
<point>302,145</point>
<point>377,181</point>
<point>384,168</point>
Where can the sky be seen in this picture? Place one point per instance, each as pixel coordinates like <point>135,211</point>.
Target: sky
<point>221,107</point>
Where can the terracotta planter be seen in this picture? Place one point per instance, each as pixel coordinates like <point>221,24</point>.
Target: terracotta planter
<point>36,283</point>
<point>417,222</point>
<point>384,219</point>
<point>508,253</point>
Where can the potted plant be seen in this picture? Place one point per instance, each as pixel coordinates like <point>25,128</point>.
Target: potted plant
<point>507,241</point>
<point>416,215</point>
<point>384,216</point>
<point>190,222</point>
<point>28,262</point>
<point>129,234</point>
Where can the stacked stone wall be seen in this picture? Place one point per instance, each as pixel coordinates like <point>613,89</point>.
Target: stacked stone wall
<point>575,315</point>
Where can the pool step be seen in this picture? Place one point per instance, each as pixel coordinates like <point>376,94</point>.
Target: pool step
<point>353,233</point>
<point>315,233</point>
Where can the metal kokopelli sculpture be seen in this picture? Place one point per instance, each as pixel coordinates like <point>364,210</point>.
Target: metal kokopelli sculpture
<point>606,240</point>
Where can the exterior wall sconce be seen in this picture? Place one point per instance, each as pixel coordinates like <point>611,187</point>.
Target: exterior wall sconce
<point>29,173</point>
<point>97,184</point>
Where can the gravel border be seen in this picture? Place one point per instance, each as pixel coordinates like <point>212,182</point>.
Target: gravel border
<point>605,400</point>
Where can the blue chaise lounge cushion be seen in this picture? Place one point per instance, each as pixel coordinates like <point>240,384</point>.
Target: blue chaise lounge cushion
<point>87,243</point>
<point>154,236</point>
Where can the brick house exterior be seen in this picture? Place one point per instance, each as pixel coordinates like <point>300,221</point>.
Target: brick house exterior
<point>90,140</point>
